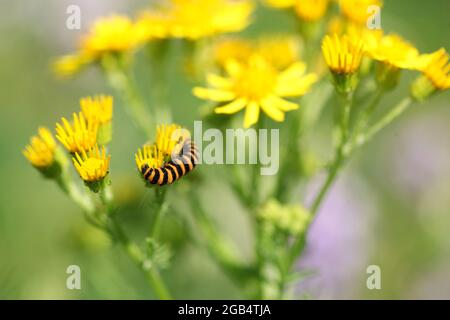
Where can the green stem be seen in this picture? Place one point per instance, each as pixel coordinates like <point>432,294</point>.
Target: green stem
<point>132,249</point>
<point>161,208</point>
<point>237,184</point>
<point>120,79</point>
<point>69,187</point>
<point>333,170</point>
<point>106,196</point>
<point>383,122</point>
<point>74,193</point>
<point>222,250</point>
<point>345,120</point>
<point>135,253</point>
<point>363,120</point>
<point>343,152</point>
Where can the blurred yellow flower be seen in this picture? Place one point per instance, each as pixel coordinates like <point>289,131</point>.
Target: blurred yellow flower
<point>41,150</point>
<point>98,108</point>
<point>231,48</point>
<point>279,50</point>
<point>342,54</point>
<point>257,85</point>
<point>92,166</point>
<point>311,10</point>
<point>436,68</point>
<point>394,51</point>
<point>110,34</point>
<point>280,4</point>
<point>371,38</point>
<point>357,10</point>
<point>150,156</point>
<point>79,136</point>
<point>69,65</point>
<point>194,19</point>
<point>336,25</point>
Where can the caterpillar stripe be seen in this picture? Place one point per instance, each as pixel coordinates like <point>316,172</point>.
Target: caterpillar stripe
<point>174,169</point>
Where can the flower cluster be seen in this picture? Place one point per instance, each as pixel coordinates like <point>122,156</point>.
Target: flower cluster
<point>306,10</point>
<point>292,219</point>
<point>344,54</point>
<point>168,138</point>
<point>110,35</point>
<point>194,19</point>
<point>80,138</point>
<point>186,19</point>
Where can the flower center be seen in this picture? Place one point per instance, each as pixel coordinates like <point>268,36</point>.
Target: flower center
<point>91,165</point>
<point>256,81</point>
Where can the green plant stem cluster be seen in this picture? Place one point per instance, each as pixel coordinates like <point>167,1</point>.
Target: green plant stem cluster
<point>102,216</point>
<point>274,265</point>
<point>272,269</point>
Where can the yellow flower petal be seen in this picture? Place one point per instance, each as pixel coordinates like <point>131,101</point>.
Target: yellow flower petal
<point>217,95</point>
<point>79,136</point>
<point>282,104</point>
<point>272,111</point>
<point>342,54</point>
<point>232,107</point>
<point>298,88</point>
<point>92,166</point>
<point>41,150</point>
<point>251,114</point>
<point>295,70</point>
<point>218,82</point>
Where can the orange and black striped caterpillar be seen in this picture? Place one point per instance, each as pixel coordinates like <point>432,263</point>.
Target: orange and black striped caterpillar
<point>174,169</point>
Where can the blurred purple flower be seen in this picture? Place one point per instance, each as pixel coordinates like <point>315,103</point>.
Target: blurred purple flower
<point>338,245</point>
<point>419,155</point>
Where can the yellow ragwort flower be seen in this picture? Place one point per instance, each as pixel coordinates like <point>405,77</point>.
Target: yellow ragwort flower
<point>342,54</point>
<point>436,68</point>
<point>92,166</point>
<point>356,11</point>
<point>169,138</point>
<point>98,108</point>
<point>336,25</point>
<point>41,150</point>
<point>392,50</point>
<point>149,155</point>
<point>110,34</point>
<point>115,33</point>
<point>280,4</point>
<point>311,10</point>
<point>194,19</point>
<point>257,85</point>
<point>370,38</point>
<point>231,48</point>
<point>172,156</point>
<point>79,136</point>
<point>279,50</point>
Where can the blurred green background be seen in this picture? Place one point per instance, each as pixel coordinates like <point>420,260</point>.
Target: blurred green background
<point>395,194</point>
